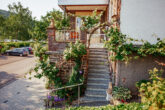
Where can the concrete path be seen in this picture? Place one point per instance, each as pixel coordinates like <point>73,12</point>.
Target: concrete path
<point>10,59</point>
<point>16,69</point>
<point>20,93</point>
<point>23,94</point>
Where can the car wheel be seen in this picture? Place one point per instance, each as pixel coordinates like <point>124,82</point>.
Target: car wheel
<point>21,55</point>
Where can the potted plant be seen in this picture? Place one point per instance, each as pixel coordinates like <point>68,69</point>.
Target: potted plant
<point>120,95</point>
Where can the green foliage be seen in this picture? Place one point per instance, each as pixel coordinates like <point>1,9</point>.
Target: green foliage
<point>75,51</point>
<point>121,93</point>
<point>92,21</point>
<point>61,21</point>
<point>153,93</point>
<point>124,49</point>
<point>131,106</point>
<point>46,69</point>
<point>8,45</point>
<point>138,84</point>
<point>18,23</point>
<point>39,33</point>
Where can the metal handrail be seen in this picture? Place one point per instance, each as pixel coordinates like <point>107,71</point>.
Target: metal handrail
<point>65,87</point>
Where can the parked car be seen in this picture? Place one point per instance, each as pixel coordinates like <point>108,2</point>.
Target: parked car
<point>18,52</point>
<point>29,50</point>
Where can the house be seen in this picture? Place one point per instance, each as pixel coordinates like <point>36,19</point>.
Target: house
<point>140,19</point>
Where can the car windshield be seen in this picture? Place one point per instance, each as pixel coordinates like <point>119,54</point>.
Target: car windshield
<point>19,49</point>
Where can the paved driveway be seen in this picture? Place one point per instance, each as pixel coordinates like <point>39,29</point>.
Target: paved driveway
<point>16,68</point>
<point>23,94</point>
<point>10,59</point>
<point>16,92</point>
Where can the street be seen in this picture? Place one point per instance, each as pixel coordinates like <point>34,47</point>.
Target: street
<point>13,67</point>
<point>17,92</point>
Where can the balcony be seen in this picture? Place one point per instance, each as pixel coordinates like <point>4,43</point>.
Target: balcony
<point>67,36</point>
<point>83,2</point>
<point>74,5</point>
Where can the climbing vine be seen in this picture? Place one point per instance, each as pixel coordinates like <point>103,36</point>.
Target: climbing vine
<point>125,50</point>
<point>46,69</point>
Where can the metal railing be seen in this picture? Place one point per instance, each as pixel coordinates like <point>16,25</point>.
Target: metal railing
<point>96,40</point>
<point>67,35</point>
<point>71,86</point>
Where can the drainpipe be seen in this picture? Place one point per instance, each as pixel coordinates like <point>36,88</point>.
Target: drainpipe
<point>65,15</point>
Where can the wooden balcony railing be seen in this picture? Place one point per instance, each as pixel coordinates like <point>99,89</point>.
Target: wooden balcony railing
<point>67,36</point>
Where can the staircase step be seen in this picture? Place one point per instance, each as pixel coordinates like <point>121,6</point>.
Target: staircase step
<point>92,78</point>
<point>98,53</point>
<point>98,50</point>
<point>99,76</point>
<point>89,92</point>
<point>99,66</point>
<point>100,84</point>
<point>101,71</point>
<point>98,59</point>
<point>95,95</point>
<point>98,63</point>
<point>98,56</point>
<point>93,103</point>
<point>93,99</point>
<point>97,86</point>
<point>96,89</point>
<point>98,81</point>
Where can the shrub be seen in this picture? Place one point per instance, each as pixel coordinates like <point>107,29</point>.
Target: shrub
<point>131,106</point>
<point>8,45</point>
<point>52,73</point>
<point>138,84</point>
<point>75,51</point>
<point>121,93</point>
<point>153,93</point>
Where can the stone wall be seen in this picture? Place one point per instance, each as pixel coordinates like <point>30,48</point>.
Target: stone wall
<point>57,46</point>
<point>136,70</point>
<point>65,67</point>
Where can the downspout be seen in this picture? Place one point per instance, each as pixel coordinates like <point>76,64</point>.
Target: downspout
<point>118,26</point>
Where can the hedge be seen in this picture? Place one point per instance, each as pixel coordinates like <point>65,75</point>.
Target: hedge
<point>131,106</point>
<point>8,45</point>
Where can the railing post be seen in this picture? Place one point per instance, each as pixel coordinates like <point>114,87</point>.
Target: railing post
<point>78,95</point>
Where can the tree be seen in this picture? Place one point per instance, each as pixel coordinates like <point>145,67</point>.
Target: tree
<point>61,21</point>
<point>19,22</point>
<point>92,23</point>
<point>2,26</point>
<point>39,31</point>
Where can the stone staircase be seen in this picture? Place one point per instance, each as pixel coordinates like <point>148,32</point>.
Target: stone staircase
<point>98,77</point>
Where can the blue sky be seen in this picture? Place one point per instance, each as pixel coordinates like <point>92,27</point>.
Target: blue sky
<point>38,7</point>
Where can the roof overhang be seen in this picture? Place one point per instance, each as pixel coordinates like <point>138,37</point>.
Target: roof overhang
<point>82,5</point>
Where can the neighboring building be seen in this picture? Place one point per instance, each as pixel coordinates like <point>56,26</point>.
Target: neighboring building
<point>140,19</point>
